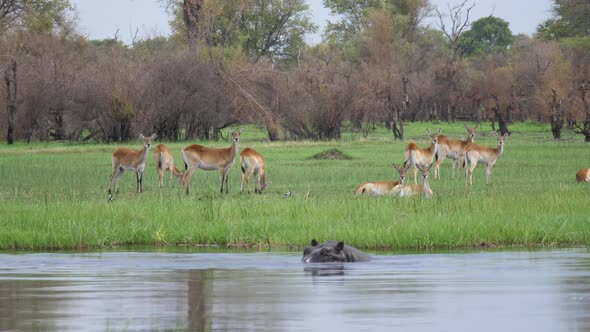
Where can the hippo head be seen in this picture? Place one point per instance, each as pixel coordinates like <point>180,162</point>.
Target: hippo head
<point>325,253</point>
<point>307,250</point>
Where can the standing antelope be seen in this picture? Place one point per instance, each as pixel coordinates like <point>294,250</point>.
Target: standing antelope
<point>164,162</point>
<point>416,156</point>
<point>380,188</point>
<point>252,162</point>
<point>407,190</point>
<point>583,175</point>
<point>209,159</point>
<point>475,153</point>
<point>125,159</point>
<point>454,149</point>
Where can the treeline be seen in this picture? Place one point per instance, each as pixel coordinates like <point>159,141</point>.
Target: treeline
<point>235,61</point>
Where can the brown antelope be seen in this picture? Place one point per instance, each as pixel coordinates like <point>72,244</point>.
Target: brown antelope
<point>454,149</point>
<point>209,159</point>
<point>423,157</point>
<point>252,162</point>
<point>128,159</point>
<point>380,188</point>
<point>476,153</point>
<point>407,190</point>
<point>164,162</point>
<point>583,175</point>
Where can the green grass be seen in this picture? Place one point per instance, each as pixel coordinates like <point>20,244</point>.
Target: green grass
<point>53,196</point>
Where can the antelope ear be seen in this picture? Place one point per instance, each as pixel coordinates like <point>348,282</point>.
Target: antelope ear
<point>464,125</point>
<point>475,128</point>
<point>428,131</point>
<point>241,130</point>
<point>154,136</point>
<point>141,136</point>
<point>439,131</point>
<point>340,246</point>
<point>506,134</point>
<point>496,133</point>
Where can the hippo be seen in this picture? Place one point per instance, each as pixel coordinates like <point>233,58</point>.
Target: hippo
<point>332,251</point>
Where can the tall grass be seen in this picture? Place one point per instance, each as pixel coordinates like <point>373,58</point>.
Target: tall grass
<point>53,196</point>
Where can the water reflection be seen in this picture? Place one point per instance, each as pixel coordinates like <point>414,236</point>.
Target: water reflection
<point>324,270</point>
<point>529,290</point>
<point>576,292</point>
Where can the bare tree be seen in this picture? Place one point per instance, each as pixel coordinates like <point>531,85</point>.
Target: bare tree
<point>584,129</point>
<point>9,69</point>
<point>459,19</point>
<point>500,116</point>
<point>556,115</point>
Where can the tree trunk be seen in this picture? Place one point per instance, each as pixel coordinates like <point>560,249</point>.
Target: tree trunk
<point>58,118</point>
<point>397,126</point>
<point>556,115</point>
<point>191,12</point>
<point>498,113</point>
<point>272,129</point>
<point>585,130</point>
<point>10,79</point>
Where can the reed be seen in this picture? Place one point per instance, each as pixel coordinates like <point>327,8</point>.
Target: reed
<point>54,196</point>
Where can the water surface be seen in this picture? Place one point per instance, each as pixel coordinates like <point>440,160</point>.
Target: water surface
<point>545,290</point>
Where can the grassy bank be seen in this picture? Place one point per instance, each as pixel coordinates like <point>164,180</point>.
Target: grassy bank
<point>53,196</point>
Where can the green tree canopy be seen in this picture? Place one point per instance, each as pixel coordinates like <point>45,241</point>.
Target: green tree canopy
<point>354,14</point>
<point>263,29</point>
<point>571,20</point>
<point>487,35</point>
<point>35,15</point>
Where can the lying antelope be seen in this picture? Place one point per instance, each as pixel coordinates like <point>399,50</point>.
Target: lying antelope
<point>453,149</point>
<point>209,159</point>
<point>476,153</point>
<point>407,190</point>
<point>416,156</point>
<point>128,159</point>
<point>165,162</point>
<point>252,162</point>
<point>380,188</point>
<point>583,175</point>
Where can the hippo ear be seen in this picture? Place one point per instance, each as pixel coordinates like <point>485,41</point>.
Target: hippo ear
<point>314,242</point>
<point>340,246</point>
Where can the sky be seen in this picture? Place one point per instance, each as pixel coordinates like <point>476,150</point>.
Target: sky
<point>99,20</point>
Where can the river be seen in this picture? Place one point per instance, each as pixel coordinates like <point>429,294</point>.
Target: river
<point>147,290</point>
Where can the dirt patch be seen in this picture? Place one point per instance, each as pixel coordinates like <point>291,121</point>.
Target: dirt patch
<point>332,154</point>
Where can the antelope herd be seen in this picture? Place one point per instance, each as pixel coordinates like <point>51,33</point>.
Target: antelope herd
<point>194,156</point>
<point>422,159</point>
<point>461,152</point>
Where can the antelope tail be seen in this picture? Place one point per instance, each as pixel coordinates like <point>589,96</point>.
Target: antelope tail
<point>242,164</point>
<point>160,160</point>
<point>263,179</point>
<point>360,189</point>
<point>176,172</point>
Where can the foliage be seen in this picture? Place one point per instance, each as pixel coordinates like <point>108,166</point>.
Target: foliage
<point>487,35</point>
<point>271,30</point>
<point>571,20</point>
<point>377,66</point>
<point>40,16</point>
